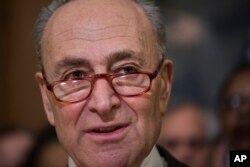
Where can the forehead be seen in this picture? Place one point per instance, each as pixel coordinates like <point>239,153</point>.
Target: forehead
<point>96,15</point>
<point>88,23</point>
<point>184,123</point>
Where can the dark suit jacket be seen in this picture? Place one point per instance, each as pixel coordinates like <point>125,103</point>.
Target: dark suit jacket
<point>171,161</point>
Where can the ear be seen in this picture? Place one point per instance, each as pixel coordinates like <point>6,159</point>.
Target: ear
<point>166,84</point>
<point>45,97</point>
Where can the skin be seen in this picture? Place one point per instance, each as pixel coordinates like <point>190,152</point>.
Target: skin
<point>236,125</point>
<point>183,123</point>
<point>88,35</point>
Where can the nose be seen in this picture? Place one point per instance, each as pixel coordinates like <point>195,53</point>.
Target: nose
<point>103,100</point>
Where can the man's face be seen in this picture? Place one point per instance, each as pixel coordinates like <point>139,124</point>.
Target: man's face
<point>184,135</point>
<point>84,38</point>
<point>236,116</point>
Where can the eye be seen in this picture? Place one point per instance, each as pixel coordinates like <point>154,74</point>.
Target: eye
<point>127,69</point>
<point>75,75</point>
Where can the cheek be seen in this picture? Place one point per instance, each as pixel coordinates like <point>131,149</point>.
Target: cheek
<point>67,113</point>
<point>144,107</point>
<point>66,116</point>
<point>148,117</point>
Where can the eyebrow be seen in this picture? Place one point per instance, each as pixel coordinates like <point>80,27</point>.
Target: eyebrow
<point>125,55</point>
<point>112,58</point>
<point>71,62</point>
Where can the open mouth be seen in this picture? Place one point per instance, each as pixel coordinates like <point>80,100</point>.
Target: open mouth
<point>104,134</point>
<point>107,130</point>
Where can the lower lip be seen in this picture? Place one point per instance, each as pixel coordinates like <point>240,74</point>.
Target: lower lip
<point>110,137</point>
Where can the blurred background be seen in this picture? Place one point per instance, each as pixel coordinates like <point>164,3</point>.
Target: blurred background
<point>20,103</point>
<point>205,40</point>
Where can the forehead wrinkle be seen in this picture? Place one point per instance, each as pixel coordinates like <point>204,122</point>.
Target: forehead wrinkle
<point>96,34</point>
<point>93,40</point>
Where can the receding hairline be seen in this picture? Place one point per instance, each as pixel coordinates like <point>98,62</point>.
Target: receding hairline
<point>138,15</point>
<point>136,10</point>
<point>148,8</point>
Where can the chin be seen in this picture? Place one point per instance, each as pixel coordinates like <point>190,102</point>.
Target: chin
<point>110,160</point>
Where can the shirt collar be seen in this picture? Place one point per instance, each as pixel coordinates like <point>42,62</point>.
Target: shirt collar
<point>154,159</point>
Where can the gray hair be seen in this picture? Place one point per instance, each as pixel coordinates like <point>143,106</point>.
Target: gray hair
<point>151,10</point>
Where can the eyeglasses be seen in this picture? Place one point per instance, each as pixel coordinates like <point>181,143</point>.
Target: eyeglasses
<point>124,84</point>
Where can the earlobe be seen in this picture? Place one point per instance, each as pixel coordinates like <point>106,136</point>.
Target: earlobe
<point>166,84</point>
<point>46,103</point>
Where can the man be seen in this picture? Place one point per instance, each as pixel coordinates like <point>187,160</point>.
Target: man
<point>234,113</point>
<point>187,133</point>
<point>104,81</point>
<point>235,108</point>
